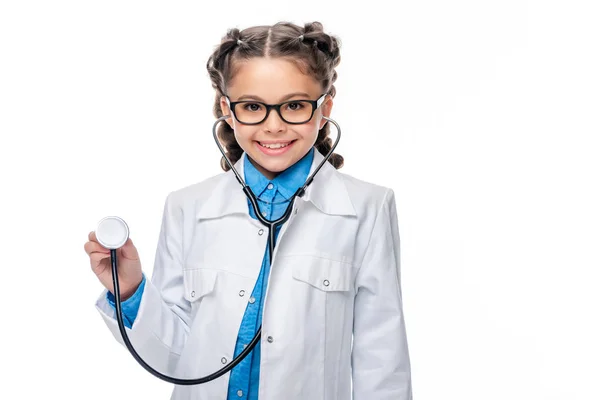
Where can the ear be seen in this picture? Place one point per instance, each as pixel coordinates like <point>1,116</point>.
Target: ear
<point>326,110</point>
<point>226,111</point>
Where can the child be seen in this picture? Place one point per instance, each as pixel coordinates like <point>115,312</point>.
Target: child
<point>330,304</point>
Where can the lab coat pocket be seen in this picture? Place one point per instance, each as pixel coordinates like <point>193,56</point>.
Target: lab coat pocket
<point>325,287</point>
<point>198,282</point>
<point>324,274</point>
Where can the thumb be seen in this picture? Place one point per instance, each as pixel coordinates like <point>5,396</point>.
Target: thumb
<point>129,251</point>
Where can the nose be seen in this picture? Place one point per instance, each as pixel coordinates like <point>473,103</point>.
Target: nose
<point>274,123</point>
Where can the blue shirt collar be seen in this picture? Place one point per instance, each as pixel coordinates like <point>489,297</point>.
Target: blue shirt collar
<point>287,182</point>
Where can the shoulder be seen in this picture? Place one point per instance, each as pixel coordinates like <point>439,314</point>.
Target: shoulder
<point>196,192</point>
<point>362,192</point>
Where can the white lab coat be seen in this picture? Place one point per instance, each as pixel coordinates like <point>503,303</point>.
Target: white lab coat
<point>333,325</point>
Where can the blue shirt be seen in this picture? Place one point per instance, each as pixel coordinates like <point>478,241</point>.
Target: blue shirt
<point>244,377</point>
<point>243,381</point>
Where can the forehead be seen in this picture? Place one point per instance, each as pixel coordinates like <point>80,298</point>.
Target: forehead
<point>270,79</point>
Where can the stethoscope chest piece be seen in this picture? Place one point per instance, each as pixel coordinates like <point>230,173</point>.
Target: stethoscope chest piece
<point>112,232</point>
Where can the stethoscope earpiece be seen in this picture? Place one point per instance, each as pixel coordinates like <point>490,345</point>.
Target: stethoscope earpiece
<point>112,232</point>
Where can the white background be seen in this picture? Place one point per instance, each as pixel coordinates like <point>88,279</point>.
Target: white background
<point>482,116</point>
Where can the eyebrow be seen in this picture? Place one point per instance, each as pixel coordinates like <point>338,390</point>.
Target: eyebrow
<point>252,97</point>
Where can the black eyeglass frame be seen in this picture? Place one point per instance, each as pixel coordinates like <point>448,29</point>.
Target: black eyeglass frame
<point>314,103</point>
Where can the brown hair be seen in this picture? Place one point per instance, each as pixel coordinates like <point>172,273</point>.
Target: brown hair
<point>312,50</point>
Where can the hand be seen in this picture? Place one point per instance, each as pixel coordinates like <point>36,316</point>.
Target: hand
<point>128,262</point>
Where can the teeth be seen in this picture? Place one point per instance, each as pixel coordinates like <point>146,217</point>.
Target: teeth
<point>275,145</point>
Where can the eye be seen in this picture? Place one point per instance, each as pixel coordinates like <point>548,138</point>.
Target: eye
<point>254,107</point>
<point>295,106</point>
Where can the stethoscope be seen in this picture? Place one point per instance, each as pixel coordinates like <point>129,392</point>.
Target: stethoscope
<point>112,233</point>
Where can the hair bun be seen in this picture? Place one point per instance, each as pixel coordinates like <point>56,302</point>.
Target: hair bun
<point>234,33</point>
<point>313,27</point>
<point>328,44</point>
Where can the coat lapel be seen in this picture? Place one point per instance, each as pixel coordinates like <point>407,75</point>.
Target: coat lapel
<point>328,191</point>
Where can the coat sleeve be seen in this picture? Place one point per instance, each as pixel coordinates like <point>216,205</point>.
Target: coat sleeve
<point>380,359</point>
<point>131,306</point>
<point>161,327</point>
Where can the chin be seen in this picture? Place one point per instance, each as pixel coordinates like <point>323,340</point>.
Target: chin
<point>275,166</point>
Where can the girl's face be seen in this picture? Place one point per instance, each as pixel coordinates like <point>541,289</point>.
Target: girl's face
<point>273,81</point>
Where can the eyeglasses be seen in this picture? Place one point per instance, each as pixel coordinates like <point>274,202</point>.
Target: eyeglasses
<point>251,112</point>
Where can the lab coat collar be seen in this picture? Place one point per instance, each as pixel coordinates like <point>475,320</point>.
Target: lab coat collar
<point>287,182</point>
<point>327,193</point>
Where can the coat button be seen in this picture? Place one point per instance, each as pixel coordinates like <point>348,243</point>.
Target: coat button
<point>326,282</point>
<point>240,393</point>
<point>251,300</point>
<point>261,231</point>
<point>242,293</point>
<point>264,213</point>
<point>223,360</point>
<point>270,339</point>
<point>270,186</point>
<point>193,293</point>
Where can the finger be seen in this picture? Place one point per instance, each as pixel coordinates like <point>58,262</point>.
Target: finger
<point>89,247</point>
<point>92,237</point>
<point>96,257</point>
<point>129,251</point>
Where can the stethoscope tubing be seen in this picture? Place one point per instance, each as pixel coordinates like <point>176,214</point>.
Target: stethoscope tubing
<point>271,225</point>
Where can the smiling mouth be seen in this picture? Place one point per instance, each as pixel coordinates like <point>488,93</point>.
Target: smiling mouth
<point>278,145</point>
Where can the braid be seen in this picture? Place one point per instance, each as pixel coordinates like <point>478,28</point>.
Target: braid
<point>326,49</point>
<point>218,66</point>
